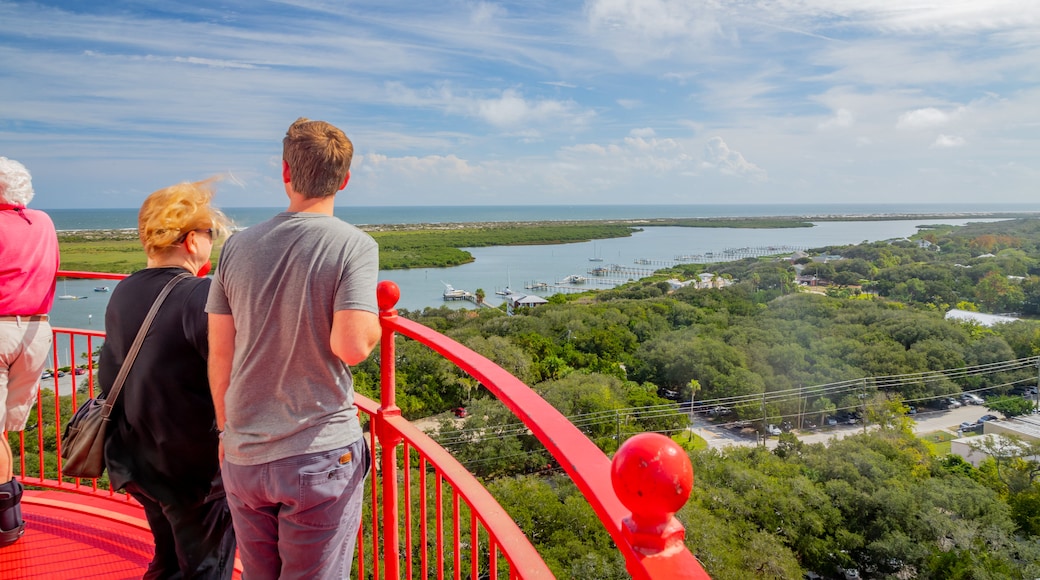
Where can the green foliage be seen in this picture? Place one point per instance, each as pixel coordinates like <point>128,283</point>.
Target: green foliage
<point>1010,406</point>
<point>566,528</point>
<point>45,437</point>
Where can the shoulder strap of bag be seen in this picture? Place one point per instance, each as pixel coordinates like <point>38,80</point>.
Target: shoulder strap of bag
<point>117,386</point>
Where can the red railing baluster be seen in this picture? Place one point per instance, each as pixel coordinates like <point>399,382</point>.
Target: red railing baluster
<point>474,546</point>
<point>424,520</point>
<point>646,532</point>
<point>407,467</point>
<point>456,535</point>
<point>439,507</point>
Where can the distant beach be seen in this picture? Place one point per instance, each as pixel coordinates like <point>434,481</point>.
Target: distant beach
<point>442,216</point>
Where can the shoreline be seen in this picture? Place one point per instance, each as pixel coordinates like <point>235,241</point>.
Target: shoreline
<point>712,222</point>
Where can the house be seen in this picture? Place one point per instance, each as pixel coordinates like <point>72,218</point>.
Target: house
<point>978,317</point>
<point>525,300</point>
<point>707,280</point>
<point>1025,428</point>
<point>675,283</point>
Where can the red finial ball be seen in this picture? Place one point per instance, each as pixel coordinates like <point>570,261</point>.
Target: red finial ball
<point>387,294</point>
<point>652,476</point>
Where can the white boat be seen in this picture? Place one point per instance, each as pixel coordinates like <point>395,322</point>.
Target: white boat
<point>101,289</point>
<point>596,257</point>
<point>66,295</point>
<point>450,293</point>
<point>574,279</point>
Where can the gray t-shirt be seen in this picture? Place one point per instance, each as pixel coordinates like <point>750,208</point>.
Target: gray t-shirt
<point>282,280</point>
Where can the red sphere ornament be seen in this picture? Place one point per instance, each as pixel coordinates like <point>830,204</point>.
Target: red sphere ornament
<point>652,476</point>
<point>387,294</point>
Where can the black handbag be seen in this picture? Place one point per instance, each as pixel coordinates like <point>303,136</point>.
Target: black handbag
<point>83,444</point>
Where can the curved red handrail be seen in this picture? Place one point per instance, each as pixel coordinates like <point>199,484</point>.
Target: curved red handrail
<point>586,464</point>
<point>635,495</point>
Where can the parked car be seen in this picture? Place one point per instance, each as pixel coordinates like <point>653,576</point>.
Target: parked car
<point>985,418</point>
<point>773,429</point>
<point>830,421</point>
<point>80,371</point>
<point>847,418</point>
<point>459,412</point>
<point>47,375</point>
<point>719,411</point>
<point>971,399</point>
<point>970,427</point>
<point>952,403</point>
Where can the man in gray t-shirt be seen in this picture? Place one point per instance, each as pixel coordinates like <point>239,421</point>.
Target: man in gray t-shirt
<point>292,304</point>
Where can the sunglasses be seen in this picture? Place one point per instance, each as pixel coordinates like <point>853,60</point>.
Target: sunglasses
<point>184,236</point>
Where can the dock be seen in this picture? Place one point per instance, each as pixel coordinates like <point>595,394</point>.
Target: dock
<point>731,254</point>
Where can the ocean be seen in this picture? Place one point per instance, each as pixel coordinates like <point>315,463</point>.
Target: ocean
<point>518,267</point>
<point>104,219</point>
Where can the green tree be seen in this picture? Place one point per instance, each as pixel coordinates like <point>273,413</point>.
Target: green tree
<point>1010,406</point>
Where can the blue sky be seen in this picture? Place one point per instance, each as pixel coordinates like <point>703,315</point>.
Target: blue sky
<point>540,102</point>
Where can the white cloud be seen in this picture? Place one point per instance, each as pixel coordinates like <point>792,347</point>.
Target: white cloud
<point>946,141</point>
<point>718,155</point>
<point>644,132</point>
<point>639,30</point>
<point>842,118</point>
<point>449,165</point>
<point>922,119</point>
<point>511,109</point>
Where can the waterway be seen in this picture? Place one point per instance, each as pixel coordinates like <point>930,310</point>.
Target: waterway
<point>496,268</point>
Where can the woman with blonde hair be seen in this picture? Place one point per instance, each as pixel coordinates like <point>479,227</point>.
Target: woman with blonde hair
<point>161,446</point>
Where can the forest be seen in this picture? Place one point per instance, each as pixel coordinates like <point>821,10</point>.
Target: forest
<point>884,502</point>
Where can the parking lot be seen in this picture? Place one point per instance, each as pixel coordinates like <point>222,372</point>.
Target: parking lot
<point>926,421</point>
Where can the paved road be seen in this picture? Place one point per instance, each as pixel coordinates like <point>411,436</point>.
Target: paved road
<point>926,422</point>
<point>64,384</point>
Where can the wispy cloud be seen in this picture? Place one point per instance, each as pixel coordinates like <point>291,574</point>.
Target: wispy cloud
<point>557,102</point>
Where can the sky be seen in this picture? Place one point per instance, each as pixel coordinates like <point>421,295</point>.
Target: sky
<point>530,101</point>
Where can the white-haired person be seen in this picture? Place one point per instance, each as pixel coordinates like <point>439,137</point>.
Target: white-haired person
<point>29,262</point>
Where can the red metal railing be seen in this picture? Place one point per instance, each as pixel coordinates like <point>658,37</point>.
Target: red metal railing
<point>427,516</point>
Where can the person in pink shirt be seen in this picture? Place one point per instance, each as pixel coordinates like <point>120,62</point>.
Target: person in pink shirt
<point>28,268</point>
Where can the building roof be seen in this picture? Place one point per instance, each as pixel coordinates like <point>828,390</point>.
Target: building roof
<point>979,317</point>
<point>528,300</point>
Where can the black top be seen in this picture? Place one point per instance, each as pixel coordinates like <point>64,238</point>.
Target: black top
<point>163,431</point>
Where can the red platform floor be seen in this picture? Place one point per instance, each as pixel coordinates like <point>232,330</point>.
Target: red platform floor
<point>69,535</point>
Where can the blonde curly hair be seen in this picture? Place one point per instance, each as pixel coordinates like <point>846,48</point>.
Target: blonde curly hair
<point>167,215</point>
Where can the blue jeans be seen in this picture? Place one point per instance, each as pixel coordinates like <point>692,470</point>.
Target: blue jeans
<point>298,517</point>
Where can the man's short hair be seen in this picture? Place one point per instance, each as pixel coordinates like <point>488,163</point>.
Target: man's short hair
<point>318,155</point>
<point>15,183</point>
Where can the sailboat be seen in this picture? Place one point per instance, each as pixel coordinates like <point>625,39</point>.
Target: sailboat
<point>508,289</point>
<point>67,295</point>
<point>596,257</point>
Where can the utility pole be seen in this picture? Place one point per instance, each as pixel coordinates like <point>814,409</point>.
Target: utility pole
<point>863,403</point>
<point>1036,396</point>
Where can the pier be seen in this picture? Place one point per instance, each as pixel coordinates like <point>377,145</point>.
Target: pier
<point>731,254</point>
<point>616,270</point>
